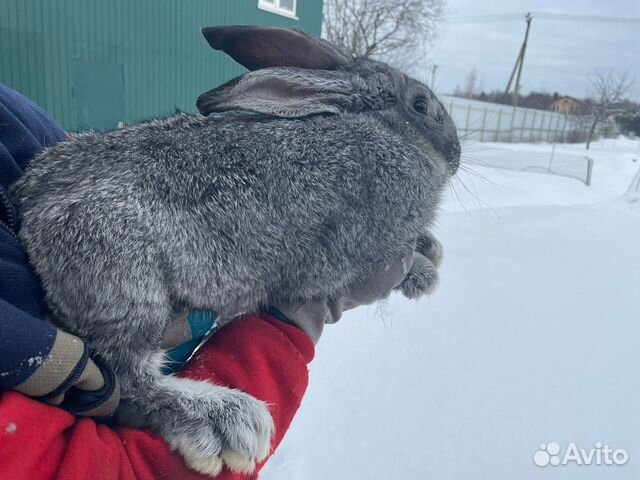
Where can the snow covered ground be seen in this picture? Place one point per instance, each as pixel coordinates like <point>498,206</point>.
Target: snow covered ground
<point>533,337</point>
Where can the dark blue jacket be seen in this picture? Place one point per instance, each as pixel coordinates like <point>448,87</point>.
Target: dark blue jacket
<point>25,339</point>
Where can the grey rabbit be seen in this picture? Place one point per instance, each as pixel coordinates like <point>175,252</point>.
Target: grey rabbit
<point>298,178</point>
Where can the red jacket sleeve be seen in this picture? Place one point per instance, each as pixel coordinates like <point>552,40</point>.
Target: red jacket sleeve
<point>258,354</point>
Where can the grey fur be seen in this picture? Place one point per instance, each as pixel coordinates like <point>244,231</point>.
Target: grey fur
<point>421,279</point>
<point>310,180</point>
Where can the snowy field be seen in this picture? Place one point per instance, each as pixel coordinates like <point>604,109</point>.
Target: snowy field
<point>533,337</point>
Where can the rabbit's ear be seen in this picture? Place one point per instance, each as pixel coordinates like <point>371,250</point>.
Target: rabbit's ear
<point>265,47</point>
<point>281,92</point>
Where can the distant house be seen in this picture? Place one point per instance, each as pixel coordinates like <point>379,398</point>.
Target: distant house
<point>566,105</point>
<point>96,63</point>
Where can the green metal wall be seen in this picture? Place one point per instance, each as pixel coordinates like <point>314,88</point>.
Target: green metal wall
<point>65,53</point>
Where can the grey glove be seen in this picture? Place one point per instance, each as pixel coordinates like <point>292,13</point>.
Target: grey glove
<point>414,273</point>
<point>69,378</point>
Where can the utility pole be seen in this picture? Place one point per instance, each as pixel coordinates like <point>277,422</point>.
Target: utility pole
<point>517,68</point>
<point>434,69</point>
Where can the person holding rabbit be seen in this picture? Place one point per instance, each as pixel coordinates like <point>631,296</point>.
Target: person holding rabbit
<point>211,213</point>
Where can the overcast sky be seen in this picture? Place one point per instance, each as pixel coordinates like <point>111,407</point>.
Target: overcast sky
<point>560,56</point>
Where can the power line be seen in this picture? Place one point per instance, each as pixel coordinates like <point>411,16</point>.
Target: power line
<point>585,18</point>
<point>509,17</point>
<point>500,17</point>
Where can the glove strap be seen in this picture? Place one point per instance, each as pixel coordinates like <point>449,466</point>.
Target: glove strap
<point>71,379</point>
<point>85,402</point>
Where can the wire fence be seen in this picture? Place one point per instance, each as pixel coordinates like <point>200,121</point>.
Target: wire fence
<point>578,167</point>
<point>634,186</point>
<point>494,122</point>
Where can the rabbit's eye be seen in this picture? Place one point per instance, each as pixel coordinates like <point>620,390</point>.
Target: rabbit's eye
<point>421,106</point>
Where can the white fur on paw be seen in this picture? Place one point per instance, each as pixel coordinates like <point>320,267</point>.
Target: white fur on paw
<point>226,427</point>
<point>241,463</point>
<point>207,465</point>
<point>264,446</point>
<point>237,462</point>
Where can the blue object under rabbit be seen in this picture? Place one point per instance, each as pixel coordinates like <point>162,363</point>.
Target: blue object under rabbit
<point>203,324</point>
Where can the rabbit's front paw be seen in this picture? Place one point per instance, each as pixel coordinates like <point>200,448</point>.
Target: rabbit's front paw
<point>220,427</point>
<point>431,248</point>
<point>422,278</point>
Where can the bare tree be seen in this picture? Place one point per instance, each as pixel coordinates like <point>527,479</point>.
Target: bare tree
<point>389,30</point>
<point>610,89</point>
<point>470,83</point>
